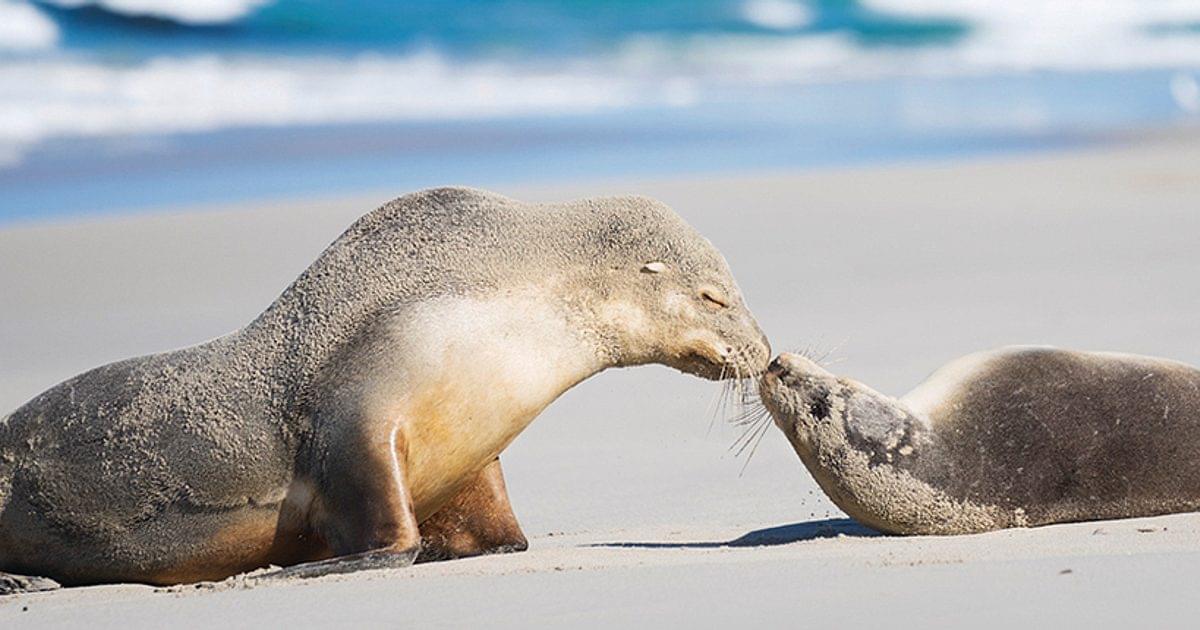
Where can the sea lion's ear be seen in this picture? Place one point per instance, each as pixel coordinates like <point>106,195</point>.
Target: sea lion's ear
<point>655,267</point>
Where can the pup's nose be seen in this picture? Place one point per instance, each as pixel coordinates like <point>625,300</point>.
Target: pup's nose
<point>796,365</point>
<point>787,362</point>
<point>776,367</point>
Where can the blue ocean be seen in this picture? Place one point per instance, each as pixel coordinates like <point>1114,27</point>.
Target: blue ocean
<point>120,105</point>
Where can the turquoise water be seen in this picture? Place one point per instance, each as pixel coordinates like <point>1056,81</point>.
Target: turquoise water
<point>469,28</point>
<point>115,106</point>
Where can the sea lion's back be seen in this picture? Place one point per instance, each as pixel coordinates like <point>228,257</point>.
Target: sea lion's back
<point>100,458</point>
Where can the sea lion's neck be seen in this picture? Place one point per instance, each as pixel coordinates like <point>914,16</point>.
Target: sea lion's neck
<point>409,251</point>
<point>477,375</point>
<point>343,292</point>
<point>325,311</point>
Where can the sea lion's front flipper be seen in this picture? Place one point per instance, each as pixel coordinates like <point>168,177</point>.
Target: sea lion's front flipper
<point>363,507</point>
<point>479,520</point>
<point>381,559</point>
<point>11,584</point>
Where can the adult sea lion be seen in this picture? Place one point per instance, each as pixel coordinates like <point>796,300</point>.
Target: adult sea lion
<point>365,409</point>
<point>1016,437</point>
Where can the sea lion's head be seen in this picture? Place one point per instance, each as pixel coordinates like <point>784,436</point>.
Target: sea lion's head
<point>662,293</point>
<point>799,393</point>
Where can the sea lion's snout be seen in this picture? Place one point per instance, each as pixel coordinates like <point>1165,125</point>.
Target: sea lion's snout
<point>747,344</point>
<point>719,345</point>
<point>739,356</point>
<point>751,354</point>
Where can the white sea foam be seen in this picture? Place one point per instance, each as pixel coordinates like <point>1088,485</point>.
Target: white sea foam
<point>1021,12</point>
<point>836,57</point>
<point>776,14</point>
<point>1060,34</point>
<point>62,97</point>
<point>183,11</point>
<point>24,28</point>
<point>56,93</point>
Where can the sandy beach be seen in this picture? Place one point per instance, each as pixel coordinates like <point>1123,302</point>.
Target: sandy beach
<point>637,512</point>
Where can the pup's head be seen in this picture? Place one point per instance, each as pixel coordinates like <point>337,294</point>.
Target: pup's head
<point>797,392</point>
<point>661,293</point>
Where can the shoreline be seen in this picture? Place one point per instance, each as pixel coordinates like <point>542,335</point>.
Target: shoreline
<point>1181,134</point>
<point>865,123</point>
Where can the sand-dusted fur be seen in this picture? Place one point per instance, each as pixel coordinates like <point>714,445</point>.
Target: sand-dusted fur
<point>366,397</point>
<point>1017,437</point>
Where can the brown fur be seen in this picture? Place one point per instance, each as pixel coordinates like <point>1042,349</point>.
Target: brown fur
<point>479,520</point>
<point>1018,437</point>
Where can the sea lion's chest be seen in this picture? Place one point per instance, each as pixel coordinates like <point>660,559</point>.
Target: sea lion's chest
<point>477,373</point>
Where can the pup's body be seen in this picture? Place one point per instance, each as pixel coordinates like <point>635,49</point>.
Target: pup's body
<point>1017,437</point>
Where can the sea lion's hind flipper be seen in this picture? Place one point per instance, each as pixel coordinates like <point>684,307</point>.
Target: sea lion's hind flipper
<point>11,584</point>
<point>478,521</point>
<point>380,559</point>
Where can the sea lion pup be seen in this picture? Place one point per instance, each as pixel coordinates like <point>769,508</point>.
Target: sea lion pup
<point>368,404</point>
<point>1016,437</point>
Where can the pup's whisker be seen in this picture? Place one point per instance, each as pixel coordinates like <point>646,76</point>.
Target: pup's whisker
<point>765,426</point>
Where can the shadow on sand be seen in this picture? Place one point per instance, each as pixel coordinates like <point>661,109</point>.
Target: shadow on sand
<point>779,535</point>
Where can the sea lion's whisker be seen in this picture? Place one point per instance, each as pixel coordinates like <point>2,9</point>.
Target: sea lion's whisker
<point>726,396</point>
<point>714,403</point>
<point>737,383</point>
<point>744,406</point>
<point>723,393</point>
<point>735,388</point>
<point>742,403</point>
<point>751,396</point>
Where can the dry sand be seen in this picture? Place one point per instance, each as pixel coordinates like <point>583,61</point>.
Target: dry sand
<point>635,511</point>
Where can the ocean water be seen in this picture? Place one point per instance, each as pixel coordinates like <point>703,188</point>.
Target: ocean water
<point>112,105</point>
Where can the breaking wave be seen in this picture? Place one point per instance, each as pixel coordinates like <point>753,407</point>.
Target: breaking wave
<point>111,67</point>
